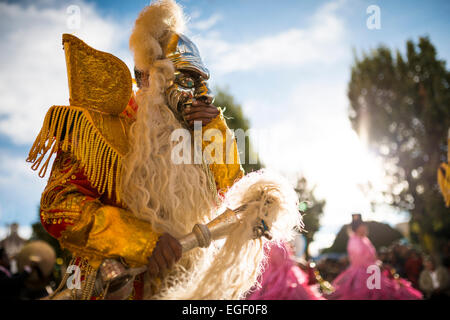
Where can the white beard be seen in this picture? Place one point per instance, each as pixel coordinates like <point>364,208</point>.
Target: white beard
<point>172,197</point>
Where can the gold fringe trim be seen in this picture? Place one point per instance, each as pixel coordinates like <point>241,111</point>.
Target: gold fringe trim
<point>89,283</point>
<point>101,162</point>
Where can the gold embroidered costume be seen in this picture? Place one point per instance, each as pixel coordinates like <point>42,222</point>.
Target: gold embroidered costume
<point>82,205</point>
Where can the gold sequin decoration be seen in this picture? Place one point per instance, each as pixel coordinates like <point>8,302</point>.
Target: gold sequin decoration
<point>97,80</point>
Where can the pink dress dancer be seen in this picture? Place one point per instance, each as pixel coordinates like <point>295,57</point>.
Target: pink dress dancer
<point>282,279</point>
<point>354,282</point>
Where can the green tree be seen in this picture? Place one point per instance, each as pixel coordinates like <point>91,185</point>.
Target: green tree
<point>237,120</point>
<point>312,210</point>
<point>401,106</point>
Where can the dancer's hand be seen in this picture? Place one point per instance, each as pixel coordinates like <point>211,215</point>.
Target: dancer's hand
<point>167,252</point>
<point>201,110</point>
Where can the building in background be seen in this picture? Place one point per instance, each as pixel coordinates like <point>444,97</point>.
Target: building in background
<point>12,244</point>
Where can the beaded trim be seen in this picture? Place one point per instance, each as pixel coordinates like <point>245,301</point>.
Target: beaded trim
<point>101,161</point>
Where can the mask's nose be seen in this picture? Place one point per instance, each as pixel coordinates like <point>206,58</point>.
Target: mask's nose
<point>206,98</point>
<point>202,92</point>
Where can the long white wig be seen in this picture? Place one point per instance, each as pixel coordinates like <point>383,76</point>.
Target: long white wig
<point>174,197</point>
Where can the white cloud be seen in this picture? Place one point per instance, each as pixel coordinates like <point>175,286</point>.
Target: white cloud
<point>33,70</point>
<point>20,190</point>
<point>319,42</point>
<point>206,24</point>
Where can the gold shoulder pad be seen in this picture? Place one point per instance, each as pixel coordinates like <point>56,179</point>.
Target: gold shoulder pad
<point>90,128</point>
<point>97,80</point>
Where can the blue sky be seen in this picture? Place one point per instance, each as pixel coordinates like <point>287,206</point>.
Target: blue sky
<point>287,63</point>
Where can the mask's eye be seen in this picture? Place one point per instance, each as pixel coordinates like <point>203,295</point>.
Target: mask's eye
<point>185,81</point>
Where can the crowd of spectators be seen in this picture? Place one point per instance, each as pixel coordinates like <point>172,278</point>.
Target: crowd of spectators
<point>428,273</point>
